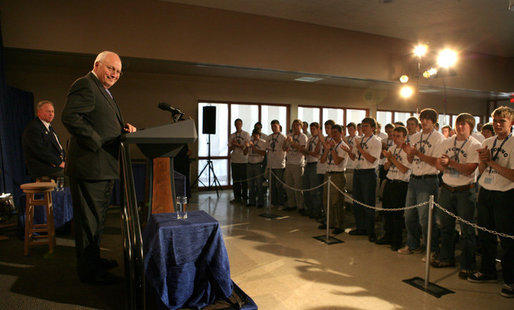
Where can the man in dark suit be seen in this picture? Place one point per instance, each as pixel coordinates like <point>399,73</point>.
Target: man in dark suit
<point>44,155</point>
<point>94,121</point>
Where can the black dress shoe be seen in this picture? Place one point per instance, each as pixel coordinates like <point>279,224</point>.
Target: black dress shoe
<point>322,226</point>
<point>384,240</point>
<point>372,238</point>
<point>357,232</point>
<point>101,278</point>
<point>260,206</point>
<point>107,264</point>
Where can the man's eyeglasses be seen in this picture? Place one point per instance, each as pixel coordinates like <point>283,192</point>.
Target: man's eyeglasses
<point>111,68</point>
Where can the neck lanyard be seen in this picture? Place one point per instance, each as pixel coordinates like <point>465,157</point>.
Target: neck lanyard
<point>312,142</point>
<point>274,140</point>
<point>364,144</point>
<point>421,141</point>
<point>495,156</point>
<point>457,150</point>
<point>350,140</point>
<point>330,154</point>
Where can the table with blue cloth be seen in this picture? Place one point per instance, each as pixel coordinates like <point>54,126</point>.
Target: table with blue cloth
<point>186,262</point>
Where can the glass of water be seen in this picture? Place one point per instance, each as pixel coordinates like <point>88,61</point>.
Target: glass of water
<point>181,207</point>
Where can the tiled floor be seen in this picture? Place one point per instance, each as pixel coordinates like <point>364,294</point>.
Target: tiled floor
<point>280,265</point>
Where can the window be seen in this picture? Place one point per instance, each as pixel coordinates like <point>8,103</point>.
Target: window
<point>337,115</point>
<point>443,120</point>
<point>402,117</point>
<point>226,114</point>
<point>341,116</point>
<point>309,115</point>
<point>354,115</point>
<point>384,117</point>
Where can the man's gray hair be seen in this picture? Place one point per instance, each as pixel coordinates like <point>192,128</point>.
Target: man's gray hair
<point>100,57</point>
<point>41,103</point>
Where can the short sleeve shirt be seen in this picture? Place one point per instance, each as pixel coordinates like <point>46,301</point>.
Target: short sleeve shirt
<point>254,157</point>
<point>276,153</point>
<point>463,152</point>
<point>295,157</point>
<point>237,156</point>
<point>394,173</point>
<point>373,146</point>
<point>503,154</point>
<point>351,142</point>
<point>426,144</point>
<point>311,146</point>
<point>331,165</point>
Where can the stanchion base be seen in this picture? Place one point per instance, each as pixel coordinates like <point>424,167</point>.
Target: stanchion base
<point>270,216</point>
<point>329,241</point>
<point>432,289</point>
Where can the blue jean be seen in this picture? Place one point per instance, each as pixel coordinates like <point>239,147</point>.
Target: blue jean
<point>312,199</point>
<point>461,203</point>
<point>364,190</point>
<point>416,219</point>
<point>255,178</point>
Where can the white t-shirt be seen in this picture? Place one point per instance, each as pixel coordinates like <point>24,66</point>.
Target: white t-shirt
<point>331,165</point>
<point>479,136</point>
<point>388,143</point>
<point>382,136</point>
<point>351,141</point>
<point>409,138</point>
<point>237,156</point>
<point>463,154</point>
<point>311,146</point>
<point>426,144</point>
<point>254,157</point>
<point>276,154</point>
<point>321,168</point>
<point>491,179</point>
<point>373,146</point>
<point>295,157</point>
<point>394,173</point>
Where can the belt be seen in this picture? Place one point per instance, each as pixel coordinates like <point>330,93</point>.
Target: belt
<point>363,171</point>
<point>312,163</point>
<point>334,172</point>
<point>397,181</point>
<point>256,163</point>
<point>458,188</point>
<point>425,176</point>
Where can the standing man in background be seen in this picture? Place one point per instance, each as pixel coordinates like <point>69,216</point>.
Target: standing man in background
<point>239,160</point>
<point>94,121</point>
<point>44,155</point>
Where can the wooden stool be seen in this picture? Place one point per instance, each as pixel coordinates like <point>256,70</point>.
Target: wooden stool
<point>46,189</point>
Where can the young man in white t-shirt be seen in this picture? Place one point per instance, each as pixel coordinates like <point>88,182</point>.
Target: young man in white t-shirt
<point>311,178</point>
<point>366,153</point>
<point>458,161</point>
<point>412,127</point>
<point>321,168</point>
<point>496,201</point>
<point>277,163</point>
<point>335,158</point>
<point>239,160</point>
<point>256,149</point>
<point>350,166</point>
<point>295,161</point>
<point>395,190</point>
<point>423,182</point>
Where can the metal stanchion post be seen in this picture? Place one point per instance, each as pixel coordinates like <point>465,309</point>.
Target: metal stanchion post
<point>418,282</point>
<point>429,238</point>
<point>268,214</point>
<point>326,238</point>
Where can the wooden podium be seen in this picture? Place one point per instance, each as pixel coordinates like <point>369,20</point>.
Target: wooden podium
<point>160,144</point>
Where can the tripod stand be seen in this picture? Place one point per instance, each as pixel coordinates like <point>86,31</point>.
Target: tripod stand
<point>210,169</point>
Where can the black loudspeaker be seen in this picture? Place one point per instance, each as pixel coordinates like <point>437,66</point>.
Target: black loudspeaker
<point>209,120</point>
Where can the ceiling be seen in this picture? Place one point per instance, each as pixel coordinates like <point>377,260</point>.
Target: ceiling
<point>484,26</point>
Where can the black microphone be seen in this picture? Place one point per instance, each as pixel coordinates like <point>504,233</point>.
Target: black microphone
<point>166,107</point>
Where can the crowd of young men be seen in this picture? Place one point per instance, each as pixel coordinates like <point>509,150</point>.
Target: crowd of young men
<point>408,164</point>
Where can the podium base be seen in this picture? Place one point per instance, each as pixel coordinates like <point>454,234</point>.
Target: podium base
<point>329,241</point>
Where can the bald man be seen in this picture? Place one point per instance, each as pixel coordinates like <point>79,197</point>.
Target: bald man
<point>94,121</point>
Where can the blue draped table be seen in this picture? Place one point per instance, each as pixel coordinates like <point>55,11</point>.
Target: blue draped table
<point>186,262</point>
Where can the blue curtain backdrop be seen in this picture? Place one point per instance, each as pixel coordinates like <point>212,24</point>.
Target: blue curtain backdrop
<point>16,110</point>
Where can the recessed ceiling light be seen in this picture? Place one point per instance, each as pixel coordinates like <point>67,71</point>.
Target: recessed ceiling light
<point>308,79</point>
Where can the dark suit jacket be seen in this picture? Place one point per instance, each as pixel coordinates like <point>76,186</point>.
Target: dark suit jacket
<point>94,121</point>
<point>41,150</point>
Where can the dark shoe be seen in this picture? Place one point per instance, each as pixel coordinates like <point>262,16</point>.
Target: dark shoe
<point>290,209</point>
<point>337,231</point>
<point>507,291</point>
<point>260,206</point>
<point>236,200</point>
<point>357,232</point>
<point>395,248</point>
<point>384,240</point>
<point>107,264</point>
<point>440,264</point>
<point>101,278</point>
<point>251,205</point>
<point>464,274</point>
<point>303,212</point>
<point>372,238</point>
<point>479,277</point>
<point>322,226</point>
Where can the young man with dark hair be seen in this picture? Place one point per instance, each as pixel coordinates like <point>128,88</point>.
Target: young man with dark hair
<point>311,178</point>
<point>458,161</point>
<point>395,190</point>
<point>276,162</point>
<point>412,127</point>
<point>295,161</point>
<point>367,154</point>
<point>335,158</point>
<point>495,201</point>
<point>423,182</point>
<point>446,131</point>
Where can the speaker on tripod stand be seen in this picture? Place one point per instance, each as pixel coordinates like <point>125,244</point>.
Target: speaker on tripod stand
<point>209,128</point>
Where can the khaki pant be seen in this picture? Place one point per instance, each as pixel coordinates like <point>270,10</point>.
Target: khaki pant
<point>336,216</point>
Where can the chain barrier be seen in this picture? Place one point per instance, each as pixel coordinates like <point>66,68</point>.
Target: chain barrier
<point>458,218</point>
<point>298,189</point>
<point>248,179</point>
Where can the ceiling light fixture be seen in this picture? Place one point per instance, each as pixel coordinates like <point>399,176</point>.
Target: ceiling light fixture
<point>308,79</point>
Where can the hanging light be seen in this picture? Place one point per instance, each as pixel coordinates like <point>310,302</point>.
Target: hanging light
<point>406,91</point>
<point>420,50</point>
<point>404,79</point>
<point>447,58</point>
